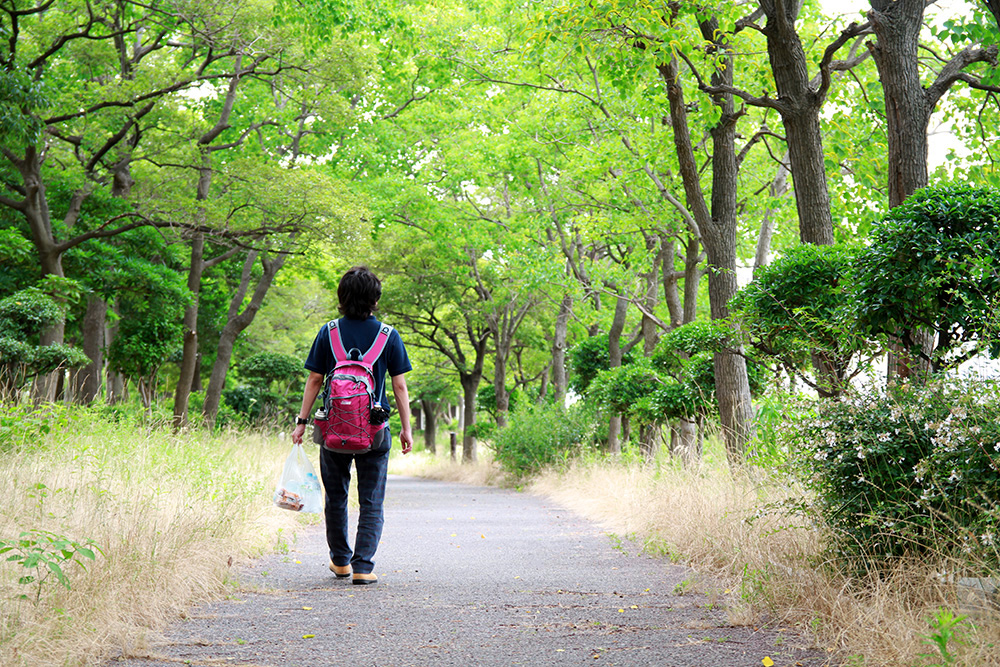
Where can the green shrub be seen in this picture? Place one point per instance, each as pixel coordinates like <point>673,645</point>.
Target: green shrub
<point>909,471</point>
<point>932,264</point>
<point>588,358</point>
<point>540,436</point>
<point>265,368</point>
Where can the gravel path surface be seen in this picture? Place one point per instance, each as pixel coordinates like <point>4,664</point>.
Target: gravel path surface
<point>472,576</point>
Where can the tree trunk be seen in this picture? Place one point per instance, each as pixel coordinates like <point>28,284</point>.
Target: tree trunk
<point>650,333</point>
<point>671,292</point>
<point>688,447</point>
<point>778,188</point>
<point>799,108</point>
<point>500,385</point>
<point>87,380</point>
<point>559,379</point>
<point>616,355</point>
<point>430,425</point>
<point>115,385</point>
<point>190,348</point>
<point>236,323</point>
<point>897,27</point>
<point>732,387</point>
<point>470,386</point>
<point>692,276</point>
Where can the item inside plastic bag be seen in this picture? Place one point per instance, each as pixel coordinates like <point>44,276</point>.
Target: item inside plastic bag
<point>299,488</point>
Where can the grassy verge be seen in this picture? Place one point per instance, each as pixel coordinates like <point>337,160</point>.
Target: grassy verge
<point>165,516</point>
<point>741,532</point>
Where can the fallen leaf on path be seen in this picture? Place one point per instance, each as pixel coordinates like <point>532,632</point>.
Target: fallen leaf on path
<point>307,608</point>
<point>768,662</point>
<point>308,636</point>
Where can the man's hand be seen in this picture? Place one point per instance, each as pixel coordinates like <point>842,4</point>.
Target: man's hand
<point>297,434</point>
<point>402,395</point>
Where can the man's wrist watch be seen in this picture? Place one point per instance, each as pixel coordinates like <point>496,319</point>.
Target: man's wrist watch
<point>300,421</point>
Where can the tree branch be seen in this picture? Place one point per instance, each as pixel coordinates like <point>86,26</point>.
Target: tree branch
<point>952,71</point>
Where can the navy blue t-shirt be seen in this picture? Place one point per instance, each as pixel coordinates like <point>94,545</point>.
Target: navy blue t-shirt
<point>361,334</point>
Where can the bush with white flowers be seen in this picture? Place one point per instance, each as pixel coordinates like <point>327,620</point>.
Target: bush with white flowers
<point>908,471</point>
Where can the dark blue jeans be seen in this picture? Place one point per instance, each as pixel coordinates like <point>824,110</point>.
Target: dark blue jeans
<point>372,469</point>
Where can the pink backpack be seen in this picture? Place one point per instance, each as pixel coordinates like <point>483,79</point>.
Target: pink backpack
<point>352,421</point>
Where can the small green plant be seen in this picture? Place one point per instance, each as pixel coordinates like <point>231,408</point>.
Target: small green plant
<point>946,630</point>
<point>43,555</point>
<point>683,587</point>
<point>538,437</point>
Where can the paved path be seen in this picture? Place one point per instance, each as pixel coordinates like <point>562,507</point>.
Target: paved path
<point>471,576</point>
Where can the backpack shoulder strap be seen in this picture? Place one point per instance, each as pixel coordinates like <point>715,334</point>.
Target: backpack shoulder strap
<point>381,338</point>
<point>336,344</point>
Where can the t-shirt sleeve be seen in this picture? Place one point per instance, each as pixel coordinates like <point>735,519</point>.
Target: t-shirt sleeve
<point>320,359</point>
<point>398,361</point>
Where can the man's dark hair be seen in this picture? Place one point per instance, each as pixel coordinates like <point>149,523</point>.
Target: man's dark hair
<point>359,292</point>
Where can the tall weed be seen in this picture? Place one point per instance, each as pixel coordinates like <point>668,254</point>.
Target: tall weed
<point>166,516</point>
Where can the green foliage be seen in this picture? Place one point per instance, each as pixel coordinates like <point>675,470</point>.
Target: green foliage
<point>693,338</point>
<point>151,303</point>
<point>768,449</point>
<point>142,345</point>
<point>588,358</point>
<point>24,316</point>
<point>946,632</point>
<point>676,382</point>
<point>20,95</point>
<point>27,313</point>
<point>256,405</point>
<point>907,471</point>
<point>265,368</point>
<point>639,391</point>
<point>23,426</point>
<point>540,436</point>
<point>934,263</point>
<point>48,358</point>
<point>44,555</point>
<point>486,399</point>
<point>799,304</point>
<point>266,395</point>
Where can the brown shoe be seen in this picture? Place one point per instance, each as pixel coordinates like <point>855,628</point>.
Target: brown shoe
<point>364,579</point>
<point>342,571</point>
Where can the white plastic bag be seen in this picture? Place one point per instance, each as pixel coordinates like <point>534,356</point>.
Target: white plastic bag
<point>299,489</point>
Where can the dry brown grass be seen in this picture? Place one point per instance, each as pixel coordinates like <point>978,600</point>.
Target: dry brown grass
<point>170,515</point>
<point>733,530</point>
<point>424,464</point>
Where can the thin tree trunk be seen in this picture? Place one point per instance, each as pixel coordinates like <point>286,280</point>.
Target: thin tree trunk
<point>559,378</point>
<point>189,353</point>
<point>236,323</point>
<point>778,188</point>
<point>671,292</point>
<point>116,381</point>
<point>616,355</point>
<point>430,425</point>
